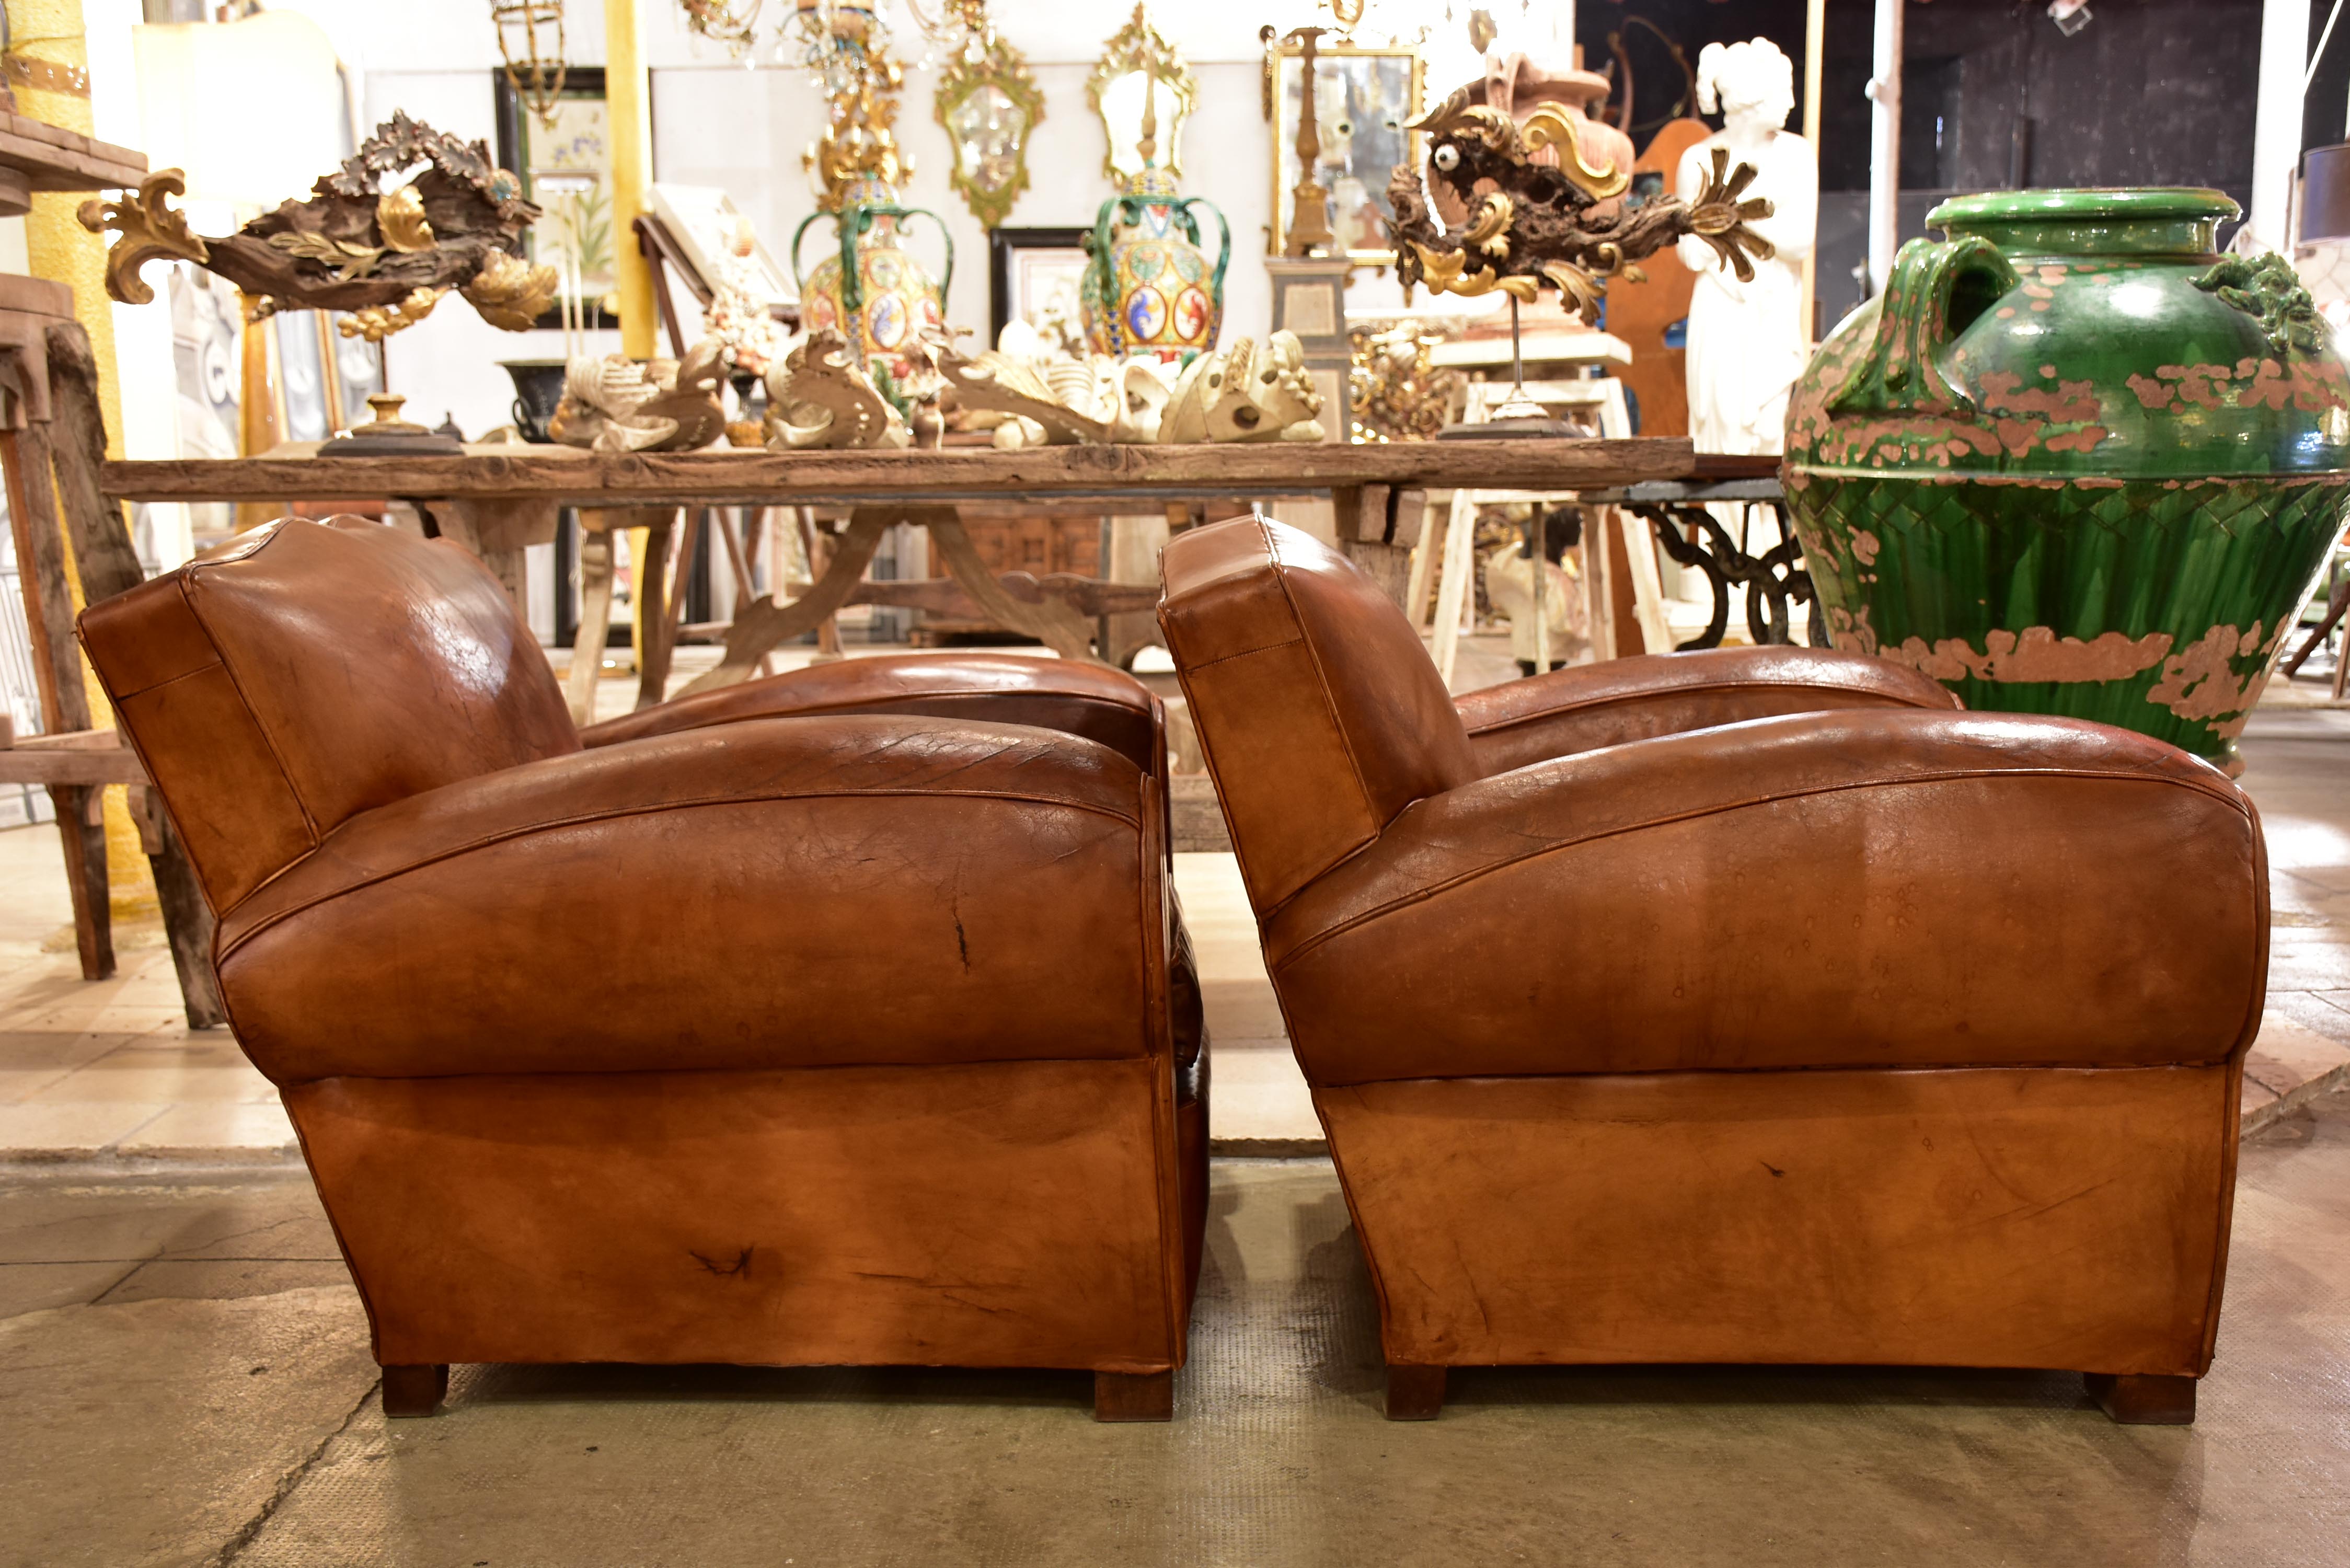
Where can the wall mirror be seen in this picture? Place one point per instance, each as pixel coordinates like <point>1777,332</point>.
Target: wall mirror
<point>990,105</point>
<point>1363,100</point>
<point>1141,70</point>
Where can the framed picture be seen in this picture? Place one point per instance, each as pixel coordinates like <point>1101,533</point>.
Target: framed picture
<point>703,220</point>
<point>565,168</point>
<point>1363,100</point>
<point>1033,276</point>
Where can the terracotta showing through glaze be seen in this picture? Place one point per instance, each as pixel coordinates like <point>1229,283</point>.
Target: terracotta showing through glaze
<point>2073,460</point>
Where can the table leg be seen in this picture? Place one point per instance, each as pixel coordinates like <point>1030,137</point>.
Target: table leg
<point>594,619</point>
<point>653,597</point>
<point>1452,584</point>
<point>81,827</point>
<point>1058,626</point>
<point>763,623</point>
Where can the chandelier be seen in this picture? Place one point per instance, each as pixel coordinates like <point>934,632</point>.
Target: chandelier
<point>530,41</point>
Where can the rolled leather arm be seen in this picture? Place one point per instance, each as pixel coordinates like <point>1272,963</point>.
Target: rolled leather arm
<point>811,892</point>
<point>1087,699</point>
<point>1593,705</point>
<point>1830,889</point>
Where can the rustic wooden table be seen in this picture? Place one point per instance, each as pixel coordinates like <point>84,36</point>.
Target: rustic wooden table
<point>498,501</point>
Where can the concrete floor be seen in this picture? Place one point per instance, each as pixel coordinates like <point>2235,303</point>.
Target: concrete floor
<point>184,1377</point>
<point>211,1402</point>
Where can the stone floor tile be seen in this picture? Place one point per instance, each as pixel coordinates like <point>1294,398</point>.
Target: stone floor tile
<point>2255,1101</point>
<point>1258,1102</point>
<point>128,1217</point>
<point>199,1130</point>
<point>74,1130</point>
<point>2325,1013</point>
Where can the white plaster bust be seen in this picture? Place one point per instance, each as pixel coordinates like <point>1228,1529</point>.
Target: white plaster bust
<point>1746,340</point>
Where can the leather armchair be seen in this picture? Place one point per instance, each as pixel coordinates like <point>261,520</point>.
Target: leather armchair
<point>1853,1029</point>
<point>865,1035</point>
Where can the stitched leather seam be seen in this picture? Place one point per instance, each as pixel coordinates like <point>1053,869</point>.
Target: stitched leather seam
<point>853,706</point>
<point>224,951</point>
<point>188,593</point>
<point>1424,894</point>
<point>1625,698</point>
<point>1249,653</point>
<point>1871,1068</point>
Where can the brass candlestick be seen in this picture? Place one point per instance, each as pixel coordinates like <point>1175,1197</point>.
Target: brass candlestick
<point>1309,223</point>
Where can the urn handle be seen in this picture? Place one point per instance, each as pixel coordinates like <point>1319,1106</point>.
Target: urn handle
<point>1936,292</point>
<point>853,223</point>
<point>1224,247</point>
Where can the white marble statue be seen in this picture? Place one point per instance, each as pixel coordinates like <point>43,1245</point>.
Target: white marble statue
<point>1746,341</point>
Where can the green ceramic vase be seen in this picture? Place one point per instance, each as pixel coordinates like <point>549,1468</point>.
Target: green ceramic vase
<point>2073,460</point>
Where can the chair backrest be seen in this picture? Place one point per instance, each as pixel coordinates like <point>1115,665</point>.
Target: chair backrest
<point>304,672</point>
<point>1320,713</point>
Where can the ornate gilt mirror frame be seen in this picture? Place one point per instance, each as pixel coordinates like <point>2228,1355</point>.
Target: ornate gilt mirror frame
<point>1137,51</point>
<point>988,63</point>
<point>1400,68</point>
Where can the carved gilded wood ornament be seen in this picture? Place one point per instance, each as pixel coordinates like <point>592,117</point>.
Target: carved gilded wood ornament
<point>386,256</point>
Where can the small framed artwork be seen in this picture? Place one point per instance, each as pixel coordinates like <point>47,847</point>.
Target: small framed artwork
<point>566,167</point>
<point>1362,101</point>
<point>1035,276</point>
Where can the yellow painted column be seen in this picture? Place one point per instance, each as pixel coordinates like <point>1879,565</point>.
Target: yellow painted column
<point>52,84</point>
<point>629,113</point>
<point>628,121</point>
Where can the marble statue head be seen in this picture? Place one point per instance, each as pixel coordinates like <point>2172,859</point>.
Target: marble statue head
<point>1754,82</point>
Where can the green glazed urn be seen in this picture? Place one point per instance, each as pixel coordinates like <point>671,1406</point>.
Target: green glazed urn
<point>873,292</point>
<point>2075,461</point>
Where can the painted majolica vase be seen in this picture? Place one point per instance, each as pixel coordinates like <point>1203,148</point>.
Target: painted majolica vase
<point>1149,289</point>
<point>874,293</point>
<point>2074,462</point>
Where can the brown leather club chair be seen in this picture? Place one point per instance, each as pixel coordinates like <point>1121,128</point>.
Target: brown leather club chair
<point>853,1037</point>
<point>1878,1033</point>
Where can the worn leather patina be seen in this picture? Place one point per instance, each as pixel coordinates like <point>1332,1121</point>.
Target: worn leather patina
<point>1756,1005</point>
<point>841,1017</point>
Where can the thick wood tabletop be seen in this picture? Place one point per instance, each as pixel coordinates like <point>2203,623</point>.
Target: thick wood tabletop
<point>851,477</point>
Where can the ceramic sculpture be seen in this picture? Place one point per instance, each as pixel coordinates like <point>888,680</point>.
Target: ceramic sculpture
<point>874,293</point>
<point>2073,460</point>
<point>1240,394</point>
<point>1149,288</point>
<point>1746,334</point>
<point>614,403</point>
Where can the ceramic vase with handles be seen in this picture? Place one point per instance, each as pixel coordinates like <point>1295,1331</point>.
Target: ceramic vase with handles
<point>874,293</point>
<point>1149,289</point>
<point>2075,461</point>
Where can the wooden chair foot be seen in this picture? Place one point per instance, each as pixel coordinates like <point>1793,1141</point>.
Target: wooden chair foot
<point>1134,1395</point>
<point>414,1390</point>
<point>1414,1393</point>
<point>2143,1400</point>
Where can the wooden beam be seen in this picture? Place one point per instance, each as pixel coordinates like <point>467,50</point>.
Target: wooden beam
<point>1155,473</point>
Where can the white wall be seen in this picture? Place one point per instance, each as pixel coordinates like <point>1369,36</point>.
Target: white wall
<point>716,122</point>
<point>719,123</point>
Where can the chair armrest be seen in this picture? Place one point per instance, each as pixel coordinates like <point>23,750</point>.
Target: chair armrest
<point>1077,698</point>
<point>821,891</point>
<point>1589,706</point>
<point>1906,889</point>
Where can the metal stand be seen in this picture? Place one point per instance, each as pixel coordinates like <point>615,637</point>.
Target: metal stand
<point>1521,416</point>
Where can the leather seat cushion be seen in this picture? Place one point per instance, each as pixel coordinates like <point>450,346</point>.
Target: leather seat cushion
<point>777,893</point>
